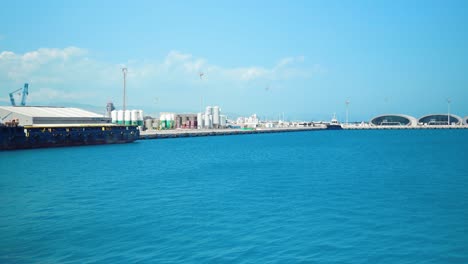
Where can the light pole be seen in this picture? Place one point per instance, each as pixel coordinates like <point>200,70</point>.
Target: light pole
<point>201,74</point>
<point>124,71</point>
<point>347,111</point>
<point>448,110</point>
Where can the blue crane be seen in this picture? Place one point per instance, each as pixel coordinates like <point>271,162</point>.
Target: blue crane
<point>24,94</point>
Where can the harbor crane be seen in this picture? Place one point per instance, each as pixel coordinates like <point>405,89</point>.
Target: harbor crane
<point>24,94</point>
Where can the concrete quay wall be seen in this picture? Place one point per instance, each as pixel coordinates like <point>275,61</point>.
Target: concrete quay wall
<point>160,134</point>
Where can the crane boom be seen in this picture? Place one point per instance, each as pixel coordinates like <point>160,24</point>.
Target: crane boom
<point>24,95</point>
<point>12,99</point>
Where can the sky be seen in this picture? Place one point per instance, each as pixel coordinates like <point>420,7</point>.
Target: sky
<point>303,59</point>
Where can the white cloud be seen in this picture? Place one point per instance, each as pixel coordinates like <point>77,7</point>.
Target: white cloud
<point>69,74</point>
<point>56,95</point>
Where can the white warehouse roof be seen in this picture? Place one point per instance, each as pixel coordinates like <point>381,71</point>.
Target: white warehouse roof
<point>46,111</point>
<point>42,115</point>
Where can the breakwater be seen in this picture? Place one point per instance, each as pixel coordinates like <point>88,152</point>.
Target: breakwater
<point>160,134</point>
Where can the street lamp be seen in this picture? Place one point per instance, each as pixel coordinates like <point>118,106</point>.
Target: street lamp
<point>124,71</point>
<point>347,111</point>
<point>448,110</point>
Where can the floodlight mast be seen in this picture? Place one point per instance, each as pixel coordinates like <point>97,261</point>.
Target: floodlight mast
<point>124,71</point>
<point>201,74</point>
<point>448,111</point>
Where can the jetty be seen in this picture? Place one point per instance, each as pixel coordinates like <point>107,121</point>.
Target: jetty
<point>177,133</point>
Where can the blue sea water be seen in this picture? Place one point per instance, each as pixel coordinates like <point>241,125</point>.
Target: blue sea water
<point>306,197</point>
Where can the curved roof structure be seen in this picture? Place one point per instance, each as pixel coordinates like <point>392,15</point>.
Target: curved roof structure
<point>466,120</point>
<point>440,119</point>
<point>393,120</point>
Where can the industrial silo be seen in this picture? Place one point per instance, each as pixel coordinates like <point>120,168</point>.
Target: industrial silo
<point>128,117</point>
<point>199,121</point>
<point>149,123</point>
<point>134,117</point>
<point>162,120</point>
<point>207,121</point>
<point>172,115</point>
<point>216,120</point>
<point>209,110</point>
<point>168,121</point>
<point>140,118</point>
<point>223,121</point>
<point>120,117</point>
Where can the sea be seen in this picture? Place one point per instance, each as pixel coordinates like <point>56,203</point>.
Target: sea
<point>373,196</point>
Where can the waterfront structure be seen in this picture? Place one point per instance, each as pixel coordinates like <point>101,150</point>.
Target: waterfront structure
<point>186,121</point>
<point>393,120</point>
<point>127,117</point>
<point>166,120</point>
<point>440,119</point>
<point>466,120</point>
<point>41,115</point>
<point>211,118</point>
<point>248,122</point>
<point>38,127</point>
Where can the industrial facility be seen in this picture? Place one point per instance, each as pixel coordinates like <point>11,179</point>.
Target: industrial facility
<point>210,119</point>
<point>127,117</point>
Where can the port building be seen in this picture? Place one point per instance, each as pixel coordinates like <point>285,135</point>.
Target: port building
<point>440,119</point>
<point>393,120</point>
<point>46,115</point>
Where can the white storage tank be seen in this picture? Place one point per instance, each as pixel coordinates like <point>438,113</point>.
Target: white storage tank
<point>199,121</point>
<point>114,117</point>
<point>210,118</point>
<point>140,118</point>
<point>223,120</point>
<point>209,110</point>
<point>162,120</point>
<point>120,117</point>
<point>134,117</point>
<point>168,121</point>
<point>128,117</point>
<point>206,120</point>
<point>149,123</point>
<point>216,113</point>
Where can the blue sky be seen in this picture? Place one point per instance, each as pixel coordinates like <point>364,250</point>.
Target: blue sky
<point>303,58</point>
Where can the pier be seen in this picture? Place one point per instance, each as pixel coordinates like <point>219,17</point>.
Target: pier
<point>177,133</point>
<point>160,134</point>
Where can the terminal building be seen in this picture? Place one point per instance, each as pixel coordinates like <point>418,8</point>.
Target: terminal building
<point>393,120</point>
<point>440,119</point>
<point>42,115</point>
